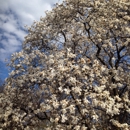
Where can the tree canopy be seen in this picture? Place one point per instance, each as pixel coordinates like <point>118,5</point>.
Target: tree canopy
<point>73,72</point>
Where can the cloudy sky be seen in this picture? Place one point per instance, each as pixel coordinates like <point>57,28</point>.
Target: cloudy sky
<point>14,15</point>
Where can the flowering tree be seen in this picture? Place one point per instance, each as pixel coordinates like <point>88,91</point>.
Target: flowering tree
<point>73,71</point>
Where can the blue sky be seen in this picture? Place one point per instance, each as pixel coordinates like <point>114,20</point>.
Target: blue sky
<point>14,15</point>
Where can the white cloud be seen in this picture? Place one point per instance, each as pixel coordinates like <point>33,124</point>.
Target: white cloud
<point>14,15</point>
<point>31,10</point>
<point>4,5</point>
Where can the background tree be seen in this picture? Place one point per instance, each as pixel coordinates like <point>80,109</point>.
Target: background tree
<point>1,85</point>
<point>73,71</point>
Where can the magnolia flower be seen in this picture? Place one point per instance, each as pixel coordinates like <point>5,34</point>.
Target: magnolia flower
<point>56,104</point>
<point>60,89</point>
<point>56,120</point>
<point>85,68</point>
<point>82,60</point>
<point>71,55</point>
<point>72,108</point>
<point>72,80</point>
<point>64,111</point>
<point>69,49</point>
<point>51,61</point>
<point>61,67</point>
<point>77,127</point>
<point>83,128</point>
<point>64,118</point>
<point>95,117</point>
<point>64,103</point>
<point>67,90</point>
<point>77,90</point>
<point>116,110</point>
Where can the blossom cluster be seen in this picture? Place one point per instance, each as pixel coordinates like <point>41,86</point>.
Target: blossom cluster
<point>73,71</point>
